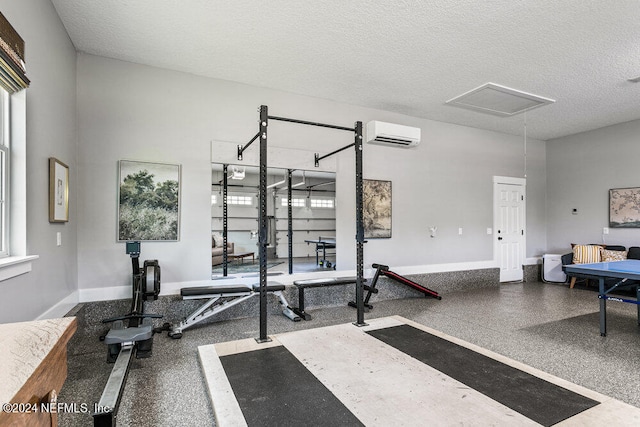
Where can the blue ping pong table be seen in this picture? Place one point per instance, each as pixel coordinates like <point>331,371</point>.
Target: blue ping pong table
<point>628,274</point>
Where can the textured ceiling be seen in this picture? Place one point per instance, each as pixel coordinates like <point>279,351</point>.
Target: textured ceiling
<point>404,56</point>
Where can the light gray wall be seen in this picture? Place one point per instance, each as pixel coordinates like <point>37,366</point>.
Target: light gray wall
<point>447,183</point>
<point>580,171</point>
<point>51,132</point>
<point>129,111</point>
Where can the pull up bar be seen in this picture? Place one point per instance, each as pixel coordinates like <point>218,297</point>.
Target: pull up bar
<point>304,122</point>
<point>262,135</point>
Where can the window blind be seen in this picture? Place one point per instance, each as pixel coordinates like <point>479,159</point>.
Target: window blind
<point>12,68</point>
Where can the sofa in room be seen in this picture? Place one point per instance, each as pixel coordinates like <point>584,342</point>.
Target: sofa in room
<point>217,249</point>
<point>597,253</point>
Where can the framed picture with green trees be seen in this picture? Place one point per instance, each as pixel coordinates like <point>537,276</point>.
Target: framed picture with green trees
<point>148,201</point>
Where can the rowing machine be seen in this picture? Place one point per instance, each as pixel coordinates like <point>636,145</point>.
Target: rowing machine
<point>126,340</point>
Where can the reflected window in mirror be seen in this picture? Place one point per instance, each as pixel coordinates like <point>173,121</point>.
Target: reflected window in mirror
<point>313,216</point>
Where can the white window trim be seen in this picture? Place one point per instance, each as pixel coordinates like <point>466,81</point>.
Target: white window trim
<point>5,179</point>
<point>18,262</point>
<point>13,266</point>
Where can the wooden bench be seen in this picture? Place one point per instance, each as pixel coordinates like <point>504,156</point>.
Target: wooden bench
<point>33,370</point>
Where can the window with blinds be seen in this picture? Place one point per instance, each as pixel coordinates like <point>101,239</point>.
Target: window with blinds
<point>12,79</point>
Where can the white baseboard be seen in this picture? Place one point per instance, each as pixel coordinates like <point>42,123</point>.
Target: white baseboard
<point>62,307</point>
<point>124,292</point>
<point>533,261</point>
<point>173,288</point>
<point>445,268</point>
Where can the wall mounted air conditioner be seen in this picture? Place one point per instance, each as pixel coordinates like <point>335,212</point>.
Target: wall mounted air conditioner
<point>392,135</point>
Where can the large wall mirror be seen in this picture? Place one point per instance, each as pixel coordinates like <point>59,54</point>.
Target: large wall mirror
<point>313,220</point>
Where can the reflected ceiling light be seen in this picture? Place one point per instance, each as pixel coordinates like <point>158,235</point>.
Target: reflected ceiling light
<point>237,172</point>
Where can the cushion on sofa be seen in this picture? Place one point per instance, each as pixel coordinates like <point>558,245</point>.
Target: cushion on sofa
<point>217,239</point>
<point>607,255</point>
<point>585,254</point>
<point>634,252</point>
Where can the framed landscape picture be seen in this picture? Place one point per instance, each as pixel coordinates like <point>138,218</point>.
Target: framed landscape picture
<point>148,201</point>
<point>624,207</point>
<point>376,208</point>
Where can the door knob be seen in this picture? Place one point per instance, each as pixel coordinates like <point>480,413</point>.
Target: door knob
<point>499,238</point>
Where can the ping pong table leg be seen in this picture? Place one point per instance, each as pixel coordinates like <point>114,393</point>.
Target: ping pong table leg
<point>603,309</point>
<point>638,299</point>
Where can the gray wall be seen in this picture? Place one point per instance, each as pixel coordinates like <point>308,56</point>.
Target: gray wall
<point>129,111</point>
<point>580,171</point>
<point>51,132</point>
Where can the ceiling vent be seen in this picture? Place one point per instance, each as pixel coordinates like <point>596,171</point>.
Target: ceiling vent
<point>390,134</point>
<point>499,100</point>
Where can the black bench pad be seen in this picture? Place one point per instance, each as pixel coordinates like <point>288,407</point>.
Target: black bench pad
<point>213,290</point>
<point>332,281</point>
<point>205,291</point>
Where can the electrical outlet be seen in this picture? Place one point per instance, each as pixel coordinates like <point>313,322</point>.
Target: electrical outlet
<point>605,230</point>
<point>489,231</point>
<point>460,231</point>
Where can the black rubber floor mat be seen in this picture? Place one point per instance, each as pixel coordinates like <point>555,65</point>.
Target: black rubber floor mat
<point>533,397</point>
<point>274,388</point>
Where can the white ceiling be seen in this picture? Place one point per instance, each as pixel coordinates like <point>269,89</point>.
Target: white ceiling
<point>404,56</point>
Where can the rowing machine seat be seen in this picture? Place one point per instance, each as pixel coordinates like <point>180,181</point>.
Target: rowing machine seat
<point>129,335</point>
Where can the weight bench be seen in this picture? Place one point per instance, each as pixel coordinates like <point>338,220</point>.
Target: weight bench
<point>384,271</point>
<point>317,283</point>
<point>221,298</point>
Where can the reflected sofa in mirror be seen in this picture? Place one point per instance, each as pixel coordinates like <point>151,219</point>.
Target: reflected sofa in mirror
<point>313,220</point>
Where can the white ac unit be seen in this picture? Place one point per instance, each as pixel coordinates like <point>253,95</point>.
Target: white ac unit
<point>390,134</point>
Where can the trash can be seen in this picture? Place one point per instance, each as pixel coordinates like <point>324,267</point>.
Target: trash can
<point>552,269</point>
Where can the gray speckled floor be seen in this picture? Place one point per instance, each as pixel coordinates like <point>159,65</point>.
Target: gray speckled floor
<point>547,326</point>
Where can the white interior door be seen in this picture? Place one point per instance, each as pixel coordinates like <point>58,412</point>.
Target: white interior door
<point>509,227</point>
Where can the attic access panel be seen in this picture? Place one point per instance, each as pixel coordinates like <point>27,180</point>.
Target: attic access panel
<point>499,100</point>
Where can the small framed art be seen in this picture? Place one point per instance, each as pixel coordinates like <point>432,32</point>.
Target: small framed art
<point>58,191</point>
